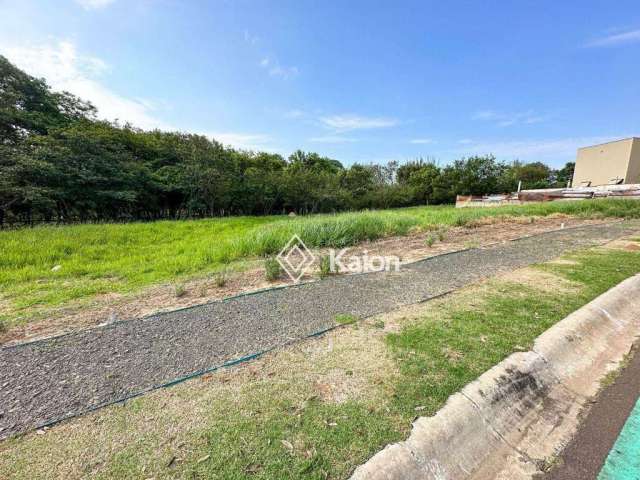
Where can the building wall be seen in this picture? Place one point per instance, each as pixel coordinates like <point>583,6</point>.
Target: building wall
<point>633,172</point>
<point>601,163</point>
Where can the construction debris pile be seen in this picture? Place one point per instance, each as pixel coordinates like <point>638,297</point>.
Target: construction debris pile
<point>550,194</point>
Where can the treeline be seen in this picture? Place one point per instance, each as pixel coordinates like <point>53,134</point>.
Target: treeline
<point>59,164</point>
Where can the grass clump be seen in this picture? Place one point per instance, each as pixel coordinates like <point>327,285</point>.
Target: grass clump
<point>345,319</point>
<point>272,269</point>
<point>325,266</point>
<point>180,290</point>
<point>220,279</point>
<point>430,240</point>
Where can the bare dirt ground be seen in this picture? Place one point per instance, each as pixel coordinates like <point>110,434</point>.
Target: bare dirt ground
<point>113,307</point>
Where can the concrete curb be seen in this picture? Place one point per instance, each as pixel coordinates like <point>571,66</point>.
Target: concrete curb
<point>512,419</point>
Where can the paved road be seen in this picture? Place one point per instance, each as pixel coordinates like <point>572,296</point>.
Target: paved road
<point>584,457</point>
<point>49,380</point>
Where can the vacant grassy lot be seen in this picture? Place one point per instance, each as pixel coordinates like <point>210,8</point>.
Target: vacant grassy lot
<point>351,392</point>
<point>47,267</point>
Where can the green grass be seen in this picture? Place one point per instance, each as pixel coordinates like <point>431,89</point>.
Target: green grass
<point>272,269</point>
<point>345,319</point>
<point>123,258</point>
<point>276,428</point>
<point>438,356</point>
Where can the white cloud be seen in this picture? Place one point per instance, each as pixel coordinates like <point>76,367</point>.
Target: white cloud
<point>249,38</point>
<point>284,72</point>
<point>508,119</point>
<point>295,113</point>
<point>276,70</point>
<point>356,122</point>
<point>561,149</point>
<point>333,139</point>
<point>422,141</point>
<point>65,69</point>
<point>484,115</point>
<point>247,141</point>
<point>615,39</point>
<point>94,4</point>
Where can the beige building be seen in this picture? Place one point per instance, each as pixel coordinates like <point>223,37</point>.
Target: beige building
<point>608,164</point>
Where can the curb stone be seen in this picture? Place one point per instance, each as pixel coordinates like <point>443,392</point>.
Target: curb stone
<point>506,424</point>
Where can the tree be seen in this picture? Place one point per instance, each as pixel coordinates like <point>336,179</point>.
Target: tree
<point>57,162</point>
<point>27,105</point>
<point>564,175</point>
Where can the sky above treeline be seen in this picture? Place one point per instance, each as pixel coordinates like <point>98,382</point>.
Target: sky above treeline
<point>359,81</point>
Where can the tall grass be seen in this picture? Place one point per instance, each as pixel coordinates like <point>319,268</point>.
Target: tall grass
<point>324,231</point>
<point>117,258</point>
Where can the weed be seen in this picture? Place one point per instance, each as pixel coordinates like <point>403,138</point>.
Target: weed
<point>180,290</point>
<point>220,279</point>
<point>461,222</point>
<point>442,234</point>
<point>3,326</point>
<point>345,319</point>
<point>272,269</point>
<point>325,266</point>
<point>430,241</point>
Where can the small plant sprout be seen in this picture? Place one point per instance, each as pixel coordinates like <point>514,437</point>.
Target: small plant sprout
<point>379,324</point>
<point>430,241</point>
<point>461,222</point>
<point>180,290</point>
<point>272,269</point>
<point>220,279</point>
<point>325,266</point>
<point>345,319</point>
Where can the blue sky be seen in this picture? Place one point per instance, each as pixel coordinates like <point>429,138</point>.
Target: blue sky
<point>360,81</point>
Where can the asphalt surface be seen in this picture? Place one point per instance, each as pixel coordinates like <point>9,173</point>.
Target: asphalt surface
<point>585,455</point>
<point>46,381</point>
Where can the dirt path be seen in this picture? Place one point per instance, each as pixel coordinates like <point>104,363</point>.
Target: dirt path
<point>52,379</point>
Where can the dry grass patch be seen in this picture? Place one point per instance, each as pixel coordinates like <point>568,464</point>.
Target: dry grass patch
<point>541,280</point>
<point>623,244</point>
<point>563,261</point>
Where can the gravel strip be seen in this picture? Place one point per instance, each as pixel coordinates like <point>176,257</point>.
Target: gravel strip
<point>49,380</point>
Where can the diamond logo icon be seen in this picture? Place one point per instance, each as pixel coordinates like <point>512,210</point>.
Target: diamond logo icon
<point>295,258</point>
